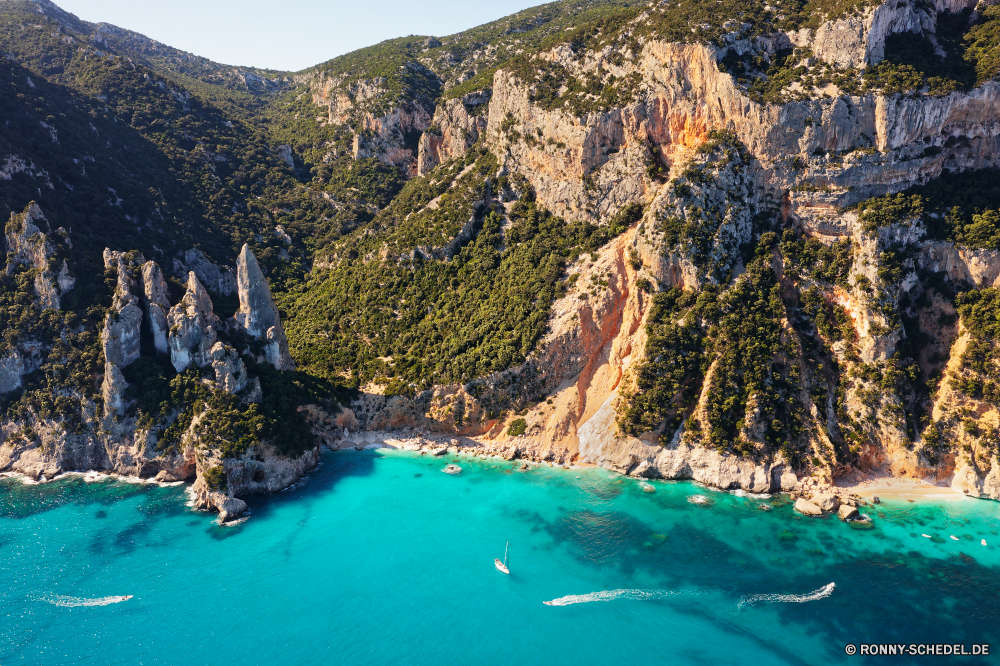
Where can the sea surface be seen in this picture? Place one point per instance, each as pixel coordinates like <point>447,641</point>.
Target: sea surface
<point>380,558</point>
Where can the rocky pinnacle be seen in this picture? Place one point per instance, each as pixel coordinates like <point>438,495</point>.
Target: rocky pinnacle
<point>258,315</point>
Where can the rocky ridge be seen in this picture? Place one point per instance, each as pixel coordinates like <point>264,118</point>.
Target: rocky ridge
<point>113,439</point>
<point>806,162</point>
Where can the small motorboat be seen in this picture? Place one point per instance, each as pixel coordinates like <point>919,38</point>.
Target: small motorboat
<point>983,542</point>
<point>502,566</point>
<point>926,535</point>
<point>954,538</point>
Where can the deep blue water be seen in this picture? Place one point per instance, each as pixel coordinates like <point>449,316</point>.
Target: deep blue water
<point>380,558</point>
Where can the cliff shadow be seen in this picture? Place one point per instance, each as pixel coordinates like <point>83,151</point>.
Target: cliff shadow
<point>334,467</point>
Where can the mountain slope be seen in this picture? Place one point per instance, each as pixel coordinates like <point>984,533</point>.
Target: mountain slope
<point>749,244</point>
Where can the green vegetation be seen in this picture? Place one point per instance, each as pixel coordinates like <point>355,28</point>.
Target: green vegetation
<point>911,65</point>
<point>971,56</point>
<point>890,209</point>
<point>813,259</point>
<point>517,428</point>
<point>215,478</point>
<point>977,378</point>
<point>748,337</point>
<point>705,227</point>
<point>962,207</point>
<point>410,323</point>
<point>669,381</point>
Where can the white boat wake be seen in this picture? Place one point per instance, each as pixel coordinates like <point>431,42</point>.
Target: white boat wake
<point>611,595</point>
<point>73,602</point>
<point>754,599</point>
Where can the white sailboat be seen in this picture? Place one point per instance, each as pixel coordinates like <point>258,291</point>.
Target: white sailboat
<point>502,566</point>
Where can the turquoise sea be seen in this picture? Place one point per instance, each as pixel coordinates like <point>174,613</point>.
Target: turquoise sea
<point>380,558</point>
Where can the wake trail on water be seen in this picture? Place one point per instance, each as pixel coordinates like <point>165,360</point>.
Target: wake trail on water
<point>611,595</point>
<point>73,602</point>
<point>754,599</point>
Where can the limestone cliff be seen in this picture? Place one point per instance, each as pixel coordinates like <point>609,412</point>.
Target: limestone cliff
<point>112,432</point>
<point>46,252</point>
<point>218,279</point>
<point>193,326</point>
<point>258,315</point>
<point>456,126</point>
<point>716,169</point>
<point>157,305</point>
<point>120,337</point>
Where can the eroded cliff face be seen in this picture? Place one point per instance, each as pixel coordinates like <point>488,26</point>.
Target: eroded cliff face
<point>799,166</point>
<point>109,434</point>
<point>456,126</point>
<point>258,315</point>
<point>382,124</point>
<point>193,327</point>
<point>45,252</point>
<point>596,163</point>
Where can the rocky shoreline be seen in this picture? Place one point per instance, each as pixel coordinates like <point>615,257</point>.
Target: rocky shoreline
<point>811,497</point>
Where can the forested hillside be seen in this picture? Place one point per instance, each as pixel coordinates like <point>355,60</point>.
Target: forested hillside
<point>743,242</point>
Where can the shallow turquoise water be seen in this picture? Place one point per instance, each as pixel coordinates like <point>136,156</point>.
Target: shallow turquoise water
<point>379,558</point>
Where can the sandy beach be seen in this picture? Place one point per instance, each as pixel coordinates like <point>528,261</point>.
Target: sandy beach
<point>902,488</point>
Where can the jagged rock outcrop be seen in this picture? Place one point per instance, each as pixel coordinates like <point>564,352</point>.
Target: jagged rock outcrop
<point>258,315</point>
<point>28,246</point>
<point>230,371</point>
<point>120,336</point>
<point>193,326</point>
<point>157,305</point>
<point>595,164</point>
<point>218,279</point>
<point>381,121</point>
<point>456,126</point>
<point>260,470</point>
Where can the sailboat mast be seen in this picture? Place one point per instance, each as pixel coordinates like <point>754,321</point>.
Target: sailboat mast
<point>505,553</point>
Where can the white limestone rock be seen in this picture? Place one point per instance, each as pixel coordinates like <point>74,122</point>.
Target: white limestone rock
<point>193,325</point>
<point>230,371</point>
<point>157,305</point>
<point>220,280</point>
<point>258,315</point>
<point>807,508</point>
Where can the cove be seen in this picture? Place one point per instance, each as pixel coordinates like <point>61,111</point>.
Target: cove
<point>378,557</point>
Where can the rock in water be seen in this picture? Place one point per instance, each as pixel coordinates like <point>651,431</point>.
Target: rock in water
<point>847,512</point>
<point>807,508</point>
<point>229,508</point>
<point>826,502</point>
<point>258,314</point>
